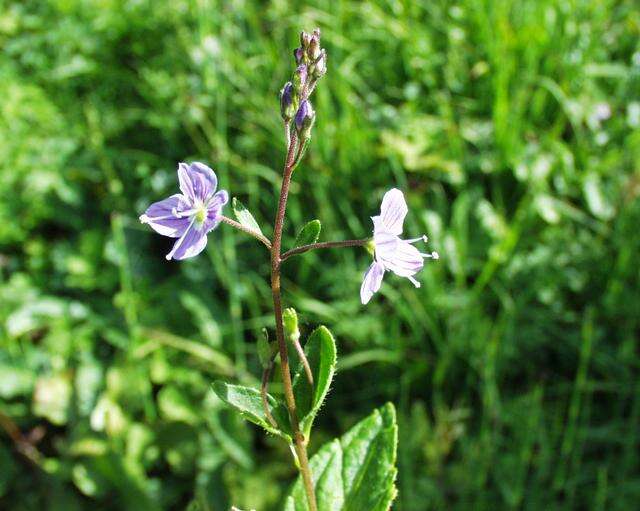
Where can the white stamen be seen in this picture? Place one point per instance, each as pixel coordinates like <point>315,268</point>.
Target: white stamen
<point>421,238</point>
<point>182,214</point>
<point>414,281</point>
<point>145,219</point>
<point>435,255</point>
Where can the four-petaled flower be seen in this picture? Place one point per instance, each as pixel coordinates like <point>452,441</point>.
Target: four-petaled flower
<point>391,252</point>
<point>189,215</point>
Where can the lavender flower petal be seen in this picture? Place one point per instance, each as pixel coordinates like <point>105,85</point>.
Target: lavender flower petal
<point>197,181</point>
<point>392,212</point>
<point>371,282</point>
<point>190,244</point>
<point>161,216</point>
<point>214,211</point>
<point>405,261</point>
<point>386,245</point>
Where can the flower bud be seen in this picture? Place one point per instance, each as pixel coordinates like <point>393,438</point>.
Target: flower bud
<point>288,102</point>
<point>320,67</point>
<point>299,77</point>
<point>305,37</point>
<point>314,45</point>
<point>305,116</point>
<point>290,322</point>
<point>298,54</point>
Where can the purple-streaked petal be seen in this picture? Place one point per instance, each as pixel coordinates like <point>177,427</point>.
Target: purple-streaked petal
<point>190,244</point>
<point>392,212</point>
<point>197,181</point>
<point>184,181</point>
<point>161,216</point>
<point>386,245</point>
<point>372,281</point>
<point>214,211</point>
<point>219,200</point>
<point>405,261</point>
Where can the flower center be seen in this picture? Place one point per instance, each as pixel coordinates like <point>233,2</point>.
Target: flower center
<point>200,214</point>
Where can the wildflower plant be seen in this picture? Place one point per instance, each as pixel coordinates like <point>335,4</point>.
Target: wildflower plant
<point>356,472</point>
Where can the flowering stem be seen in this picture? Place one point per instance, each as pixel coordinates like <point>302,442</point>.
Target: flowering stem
<point>300,442</point>
<point>259,236</point>
<point>324,244</point>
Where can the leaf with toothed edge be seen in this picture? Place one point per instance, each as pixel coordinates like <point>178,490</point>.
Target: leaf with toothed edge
<point>320,351</point>
<point>244,216</point>
<point>248,402</point>
<point>356,472</point>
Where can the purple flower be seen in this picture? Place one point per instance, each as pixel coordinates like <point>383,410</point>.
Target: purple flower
<point>391,252</point>
<point>189,215</point>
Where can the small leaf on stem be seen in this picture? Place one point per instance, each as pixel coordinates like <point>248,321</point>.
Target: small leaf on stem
<point>320,351</point>
<point>248,402</point>
<point>308,234</point>
<point>244,216</point>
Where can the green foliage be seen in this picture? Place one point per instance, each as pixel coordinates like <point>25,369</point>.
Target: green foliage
<point>356,472</point>
<point>248,402</point>
<point>244,216</point>
<point>320,350</point>
<point>514,367</point>
<point>309,233</point>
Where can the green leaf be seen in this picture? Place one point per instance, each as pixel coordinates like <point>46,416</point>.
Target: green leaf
<point>357,471</point>
<point>248,402</point>
<point>320,351</point>
<point>243,216</point>
<point>308,234</point>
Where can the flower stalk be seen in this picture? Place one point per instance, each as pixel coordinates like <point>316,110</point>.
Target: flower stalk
<point>300,443</point>
<point>325,244</point>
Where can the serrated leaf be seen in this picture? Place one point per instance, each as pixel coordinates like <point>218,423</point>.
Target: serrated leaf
<point>320,351</point>
<point>244,216</point>
<point>248,402</point>
<point>308,234</point>
<point>356,472</point>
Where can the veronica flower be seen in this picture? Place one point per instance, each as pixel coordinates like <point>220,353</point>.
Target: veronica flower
<point>189,215</point>
<point>391,252</point>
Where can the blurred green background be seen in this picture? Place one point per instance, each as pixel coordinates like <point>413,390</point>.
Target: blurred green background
<point>512,125</point>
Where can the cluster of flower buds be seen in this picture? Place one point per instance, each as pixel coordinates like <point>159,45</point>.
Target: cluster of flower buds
<point>311,54</point>
<point>311,62</point>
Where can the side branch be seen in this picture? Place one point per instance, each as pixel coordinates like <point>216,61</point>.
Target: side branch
<point>324,244</point>
<point>260,237</point>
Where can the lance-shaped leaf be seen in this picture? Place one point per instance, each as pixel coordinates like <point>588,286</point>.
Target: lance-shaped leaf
<point>244,216</point>
<point>356,472</point>
<point>320,351</point>
<point>248,402</point>
<point>308,234</point>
